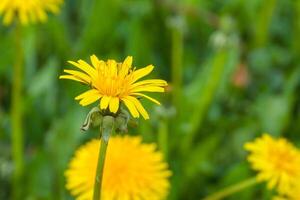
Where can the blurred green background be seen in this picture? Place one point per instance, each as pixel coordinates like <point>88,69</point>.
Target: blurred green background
<point>233,73</point>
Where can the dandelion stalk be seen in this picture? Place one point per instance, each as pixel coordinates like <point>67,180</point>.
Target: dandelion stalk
<point>16,114</point>
<point>232,189</point>
<point>106,130</point>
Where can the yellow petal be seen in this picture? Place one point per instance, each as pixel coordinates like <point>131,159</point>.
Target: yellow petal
<point>147,97</point>
<point>128,61</point>
<point>104,102</point>
<point>114,104</point>
<point>126,65</point>
<point>23,17</point>
<point>79,75</point>
<point>88,93</point>
<point>150,82</point>
<point>139,106</point>
<point>112,67</point>
<point>140,73</point>
<point>33,17</point>
<point>71,77</point>
<point>94,60</point>
<point>8,17</point>
<point>84,67</point>
<point>85,195</point>
<point>3,5</point>
<point>89,99</point>
<point>148,89</point>
<point>41,14</point>
<point>273,181</point>
<point>92,71</point>
<point>131,107</point>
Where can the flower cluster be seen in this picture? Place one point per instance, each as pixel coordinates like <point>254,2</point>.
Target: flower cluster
<point>112,82</point>
<point>133,170</point>
<point>278,163</point>
<point>27,11</point>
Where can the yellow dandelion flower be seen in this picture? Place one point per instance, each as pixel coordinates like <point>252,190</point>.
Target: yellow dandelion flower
<point>279,198</point>
<point>277,162</point>
<point>132,171</point>
<point>27,10</point>
<point>113,82</point>
<point>294,194</point>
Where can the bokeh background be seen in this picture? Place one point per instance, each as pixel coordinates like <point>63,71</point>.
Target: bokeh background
<point>233,73</point>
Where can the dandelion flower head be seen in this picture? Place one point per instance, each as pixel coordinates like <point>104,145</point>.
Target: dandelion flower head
<point>132,170</point>
<point>113,83</point>
<point>277,162</point>
<point>28,10</point>
<point>293,194</point>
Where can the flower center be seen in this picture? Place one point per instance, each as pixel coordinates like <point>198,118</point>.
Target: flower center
<point>114,85</point>
<point>284,161</point>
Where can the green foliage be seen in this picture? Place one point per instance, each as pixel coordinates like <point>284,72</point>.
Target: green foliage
<point>233,70</point>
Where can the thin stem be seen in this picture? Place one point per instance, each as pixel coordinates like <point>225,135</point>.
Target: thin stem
<point>105,131</point>
<point>232,189</point>
<point>163,137</point>
<point>16,114</point>
<point>177,58</point>
<point>264,17</point>
<point>296,32</point>
<point>100,167</point>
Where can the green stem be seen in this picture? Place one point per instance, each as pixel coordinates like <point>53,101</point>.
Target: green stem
<point>177,59</point>
<point>163,137</point>
<point>296,32</point>
<point>105,132</point>
<point>263,22</point>
<point>232,189</point>
<point>16,115</point>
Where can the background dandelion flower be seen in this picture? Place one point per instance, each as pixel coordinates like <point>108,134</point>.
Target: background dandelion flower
<point>293,194</point>
<point>27,10</point>
<point>113,82</point>
<point>132,171</point>
<point>277,162</point>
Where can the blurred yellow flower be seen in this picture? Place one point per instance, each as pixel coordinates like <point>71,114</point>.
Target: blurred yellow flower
<point>27,10</point>
<point>113,82</point>
<point>277,162</point>
<point>279,198</point>
<point>295,194</point>
<point>132,171</point>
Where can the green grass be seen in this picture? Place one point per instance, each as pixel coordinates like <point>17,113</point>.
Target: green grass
<point>206,116</point>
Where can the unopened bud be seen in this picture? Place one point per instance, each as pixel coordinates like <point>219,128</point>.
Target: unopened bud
<point>93,118</point>
<point>108,123</point>
<point>122,121</point>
